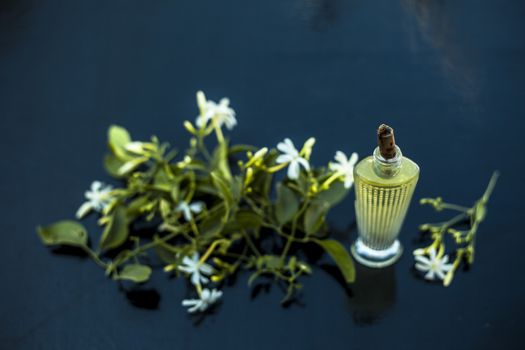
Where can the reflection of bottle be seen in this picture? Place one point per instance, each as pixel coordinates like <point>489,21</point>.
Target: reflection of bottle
<point>384,184</point>
<point>374,294</point>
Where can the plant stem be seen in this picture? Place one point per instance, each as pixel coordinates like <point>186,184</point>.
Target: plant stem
<point>250,243</point>
<point>237,256</point>
<point>490,186</point>
<point>326,184</point>
<point>275,168</point>
<point>202,147</point>
<point>210,250</point>
<point>281,233</point>
<point>94,256</point>
<point>218,131</point>
<point>147,246</point>
<point>294,227</point>
<point>454,207</point>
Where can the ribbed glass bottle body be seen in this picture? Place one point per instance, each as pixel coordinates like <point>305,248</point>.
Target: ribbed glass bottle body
<point>383,196</point>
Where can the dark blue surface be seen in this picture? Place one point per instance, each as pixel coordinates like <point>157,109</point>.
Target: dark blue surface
<point>447,75</point>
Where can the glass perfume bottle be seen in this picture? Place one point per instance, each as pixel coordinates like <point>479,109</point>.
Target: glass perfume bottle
<point>384,184</point>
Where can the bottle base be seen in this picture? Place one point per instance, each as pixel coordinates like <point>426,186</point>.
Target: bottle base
<point>376,258</point>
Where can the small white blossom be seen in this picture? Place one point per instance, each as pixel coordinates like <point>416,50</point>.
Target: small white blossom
<point>345,167</point>
<point>291,155</point>
<point>98,198</point>
<point>221,112</point>
<point>197,270</point>
<point>433,265</point>
<point>207,298</point>
<point>187,209</point>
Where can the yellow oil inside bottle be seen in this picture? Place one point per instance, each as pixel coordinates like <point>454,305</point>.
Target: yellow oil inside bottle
<point>382,199</point>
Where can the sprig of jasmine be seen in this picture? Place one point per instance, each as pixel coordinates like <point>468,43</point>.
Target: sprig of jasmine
<point>207,216</point>
<point>436,264</point>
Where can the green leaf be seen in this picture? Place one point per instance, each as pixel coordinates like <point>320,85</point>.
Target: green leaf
<point>118,138</point>
<point>245,219</point>
<point>212,225</point>
<point>341,257</point>
<point>137,206</point>
<point>271,262</point>
<point>236,188</point>
<point>287,204</point>
<point>165,251</point>
<point>333,195</point>
<point>116,231</point>
<point>163,180</point>
<point>314,216</point>
<point>241,148</point>
<point>224,192</point>
<point>135,272</point>
<point>219,162</point>
<point>65,232</point>
<point>131,165</point>
<point>164,207</point>
<point>112,165</point>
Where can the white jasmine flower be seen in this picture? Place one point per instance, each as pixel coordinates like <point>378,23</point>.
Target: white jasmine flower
<point>221,112</point>
<point>291,155</point>
<point>433,265</point>
<point>187,209</point>
<point>345,167</point>
<point>97,199</point>
<point>195,269</point>
<point>207,298</point>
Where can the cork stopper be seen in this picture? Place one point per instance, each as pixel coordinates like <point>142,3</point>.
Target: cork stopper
<point>386,141</point>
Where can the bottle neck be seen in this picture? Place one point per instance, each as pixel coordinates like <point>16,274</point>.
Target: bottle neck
<point>387,167</point>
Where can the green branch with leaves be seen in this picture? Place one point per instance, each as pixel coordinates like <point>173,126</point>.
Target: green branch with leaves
<point>432,259</point>
<point>212,211</point>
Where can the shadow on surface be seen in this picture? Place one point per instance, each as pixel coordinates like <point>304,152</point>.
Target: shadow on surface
<point>374,293</point>
<point>144,298</point>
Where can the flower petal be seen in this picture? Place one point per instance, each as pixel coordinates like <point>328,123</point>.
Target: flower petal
<point>196,207</point>
<point>422,267</point>
<point>284,158</point>
<point>430,275</point>
<point>349,181</point>
<point>432,254</point>
<point>187,213</point>
<point>205,295</point>
<point>95,186</point>
<point>206,269</point>
<point>340,157</point>
<point>224,102</point>
<point>335,166</point>
<point>83,210</point>
<point>186,269</point>
<point>189,302</point>
<point>195,278</point>
<point>422,259</point>
<point>201,101</point>
<point>353,159</point>
<point>447,267</point>
<point>230,121</point>
<point>293,170</point>
<point>283,147</point>
<point>197,307</point>
<point>195,257</point>
<point>440,274</point>
<point>303,162</point>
